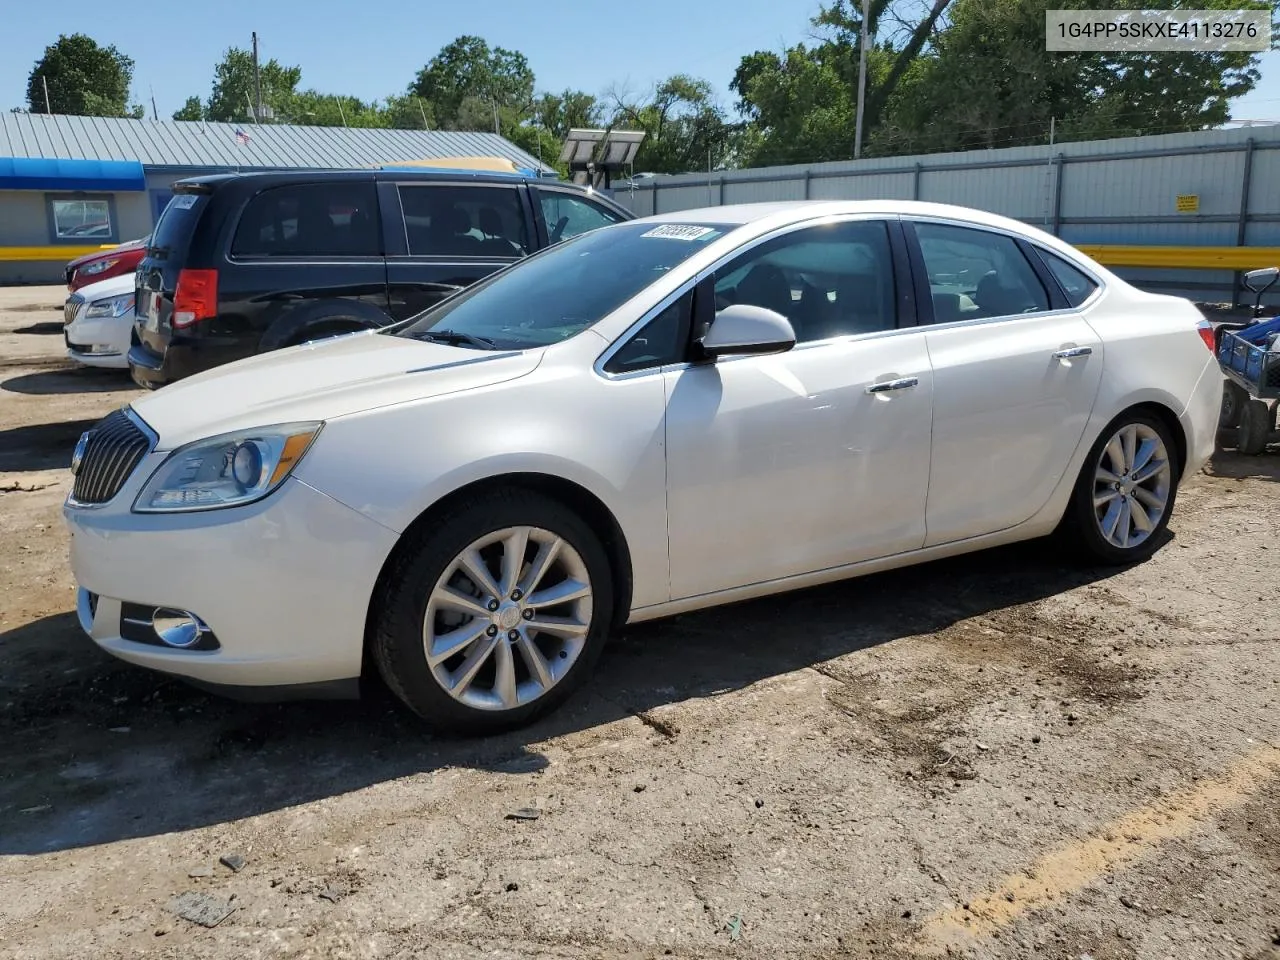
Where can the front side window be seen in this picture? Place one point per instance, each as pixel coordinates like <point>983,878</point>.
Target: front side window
<point>81,219</point>
<point>334,219</point>
<point>975,274</point>
<point>441,220</point>
<point>563,290</point>
<point>568,216</point>
<point>831,280</point>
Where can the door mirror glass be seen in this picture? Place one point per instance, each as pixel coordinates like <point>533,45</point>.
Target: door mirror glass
<point>745,328</point>
<point>1259,280</point>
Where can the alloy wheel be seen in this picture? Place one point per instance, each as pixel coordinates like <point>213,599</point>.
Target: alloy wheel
<point>1131,485</point>
<point>508,618</point>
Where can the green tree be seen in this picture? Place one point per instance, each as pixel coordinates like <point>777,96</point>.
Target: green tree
<point>233,87</point>
<point>83,79</point>
<point>559,113</point>
<point>193,109</point>
<point>408,112</point>
<point>685,129</point>
<point>467,72</point>
<point>989,83</point>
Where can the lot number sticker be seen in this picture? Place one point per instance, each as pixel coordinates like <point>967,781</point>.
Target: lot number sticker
<point>184,201</point>
<point>678,231</point>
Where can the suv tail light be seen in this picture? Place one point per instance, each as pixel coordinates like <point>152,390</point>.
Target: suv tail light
<point>195,298</point>
<point>1205,329</point>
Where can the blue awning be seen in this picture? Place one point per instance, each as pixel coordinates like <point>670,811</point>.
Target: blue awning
<point>29,173</point>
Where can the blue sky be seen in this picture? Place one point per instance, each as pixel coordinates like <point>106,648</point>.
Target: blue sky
<point>371,48</point>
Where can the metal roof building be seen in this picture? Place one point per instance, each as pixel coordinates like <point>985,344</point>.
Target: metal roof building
<point>69,185</point>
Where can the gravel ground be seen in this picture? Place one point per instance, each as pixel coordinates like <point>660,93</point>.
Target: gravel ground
<point>994,756</point>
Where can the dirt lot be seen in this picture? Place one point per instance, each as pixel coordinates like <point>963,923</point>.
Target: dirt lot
<point>997,756</point>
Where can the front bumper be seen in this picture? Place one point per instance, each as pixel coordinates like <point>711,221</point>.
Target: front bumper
<point>99,343</point>
<point>284,584</point>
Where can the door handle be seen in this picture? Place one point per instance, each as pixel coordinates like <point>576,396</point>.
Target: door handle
<point>1073,352</point>
<point>902,383</point>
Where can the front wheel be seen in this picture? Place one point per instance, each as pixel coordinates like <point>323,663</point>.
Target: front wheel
<point>1124,496</point>
<point>495,615</point>
<point>1255,427</point>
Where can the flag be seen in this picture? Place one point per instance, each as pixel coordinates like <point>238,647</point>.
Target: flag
<point>241,137</point>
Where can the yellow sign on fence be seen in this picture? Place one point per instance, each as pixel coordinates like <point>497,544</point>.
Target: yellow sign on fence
<point>1188,203</point>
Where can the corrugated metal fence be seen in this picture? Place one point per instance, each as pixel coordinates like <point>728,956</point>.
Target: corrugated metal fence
<point>1215,188</point>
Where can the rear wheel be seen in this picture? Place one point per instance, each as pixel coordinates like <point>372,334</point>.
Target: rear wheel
<point>1125,493</point>
<point>1255,426</point>
<point>1233,400</point>
<point>494,616</point>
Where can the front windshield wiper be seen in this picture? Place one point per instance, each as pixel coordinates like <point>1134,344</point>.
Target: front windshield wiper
<point>456,338</point>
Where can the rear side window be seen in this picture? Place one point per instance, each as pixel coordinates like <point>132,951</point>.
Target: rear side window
<point>974,274</point>
<point>442,220</point>
<point>1075,284</point>
<point>177,223</point>
<point>337,219</point>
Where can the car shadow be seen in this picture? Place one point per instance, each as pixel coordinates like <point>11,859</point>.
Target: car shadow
<point>1231,465</point>
<point>98,751</point>
<point>43,328</point>
<point>40,446</point>
<point>70,380</point>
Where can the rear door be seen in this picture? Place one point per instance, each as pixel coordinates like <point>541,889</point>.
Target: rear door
<point>300,253</point>
<point>1016,370</point>
<point>442,236</point>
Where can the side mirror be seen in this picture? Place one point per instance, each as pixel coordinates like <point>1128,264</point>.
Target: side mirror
<point>745,328</point>
<point>1258,281</point>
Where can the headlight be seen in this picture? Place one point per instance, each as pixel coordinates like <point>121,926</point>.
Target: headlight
<point>226,471</point>
<point>97,267</point>
<point>110,307</point>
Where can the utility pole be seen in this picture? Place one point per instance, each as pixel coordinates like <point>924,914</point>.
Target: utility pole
<point>257,81</point>
<point>425,125</point>
<point>496,129</point>
<point>45,80</point>
<point>155,114</point>
<point>342,113</point>
<point>862,78</point>
<point>1048,182</point>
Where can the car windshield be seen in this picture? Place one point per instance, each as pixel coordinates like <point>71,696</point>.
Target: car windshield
<point>562,291</point>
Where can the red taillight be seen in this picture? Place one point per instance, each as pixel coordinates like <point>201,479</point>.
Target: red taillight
<point>196,297</point>
<point>1206,334</point>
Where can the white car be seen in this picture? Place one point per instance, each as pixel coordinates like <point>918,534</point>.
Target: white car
<point>653,417</point>
<point>99,321</point>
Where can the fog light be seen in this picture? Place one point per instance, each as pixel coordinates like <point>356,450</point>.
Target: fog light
<point>177,628</point>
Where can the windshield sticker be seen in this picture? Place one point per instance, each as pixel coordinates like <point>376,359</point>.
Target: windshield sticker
<point>679,231</point>
<point>184,201</point>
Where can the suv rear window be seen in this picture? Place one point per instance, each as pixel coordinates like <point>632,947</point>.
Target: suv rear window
<point>174,228</point>
<point>338,219</point>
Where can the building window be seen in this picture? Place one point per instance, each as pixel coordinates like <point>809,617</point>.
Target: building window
<point>87,220</point>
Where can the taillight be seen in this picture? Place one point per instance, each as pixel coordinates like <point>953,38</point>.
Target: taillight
<point>1205,329</point>
<point>195,298</point>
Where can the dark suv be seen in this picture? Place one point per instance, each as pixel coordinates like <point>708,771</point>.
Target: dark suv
<point>244,263</point>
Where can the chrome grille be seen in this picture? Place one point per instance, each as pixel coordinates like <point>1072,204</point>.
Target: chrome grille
<point>70,308</point>
<point>114,449</point>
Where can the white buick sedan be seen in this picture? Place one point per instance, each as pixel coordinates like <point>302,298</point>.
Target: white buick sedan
<point>650,418</point>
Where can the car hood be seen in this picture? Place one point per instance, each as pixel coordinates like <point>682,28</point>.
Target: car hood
<point>107,251</point>
<point>321,381</point>
<point>111,287</point>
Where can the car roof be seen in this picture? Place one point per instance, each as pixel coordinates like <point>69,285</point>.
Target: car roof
<point>781,211</point>
<point>389,173</point>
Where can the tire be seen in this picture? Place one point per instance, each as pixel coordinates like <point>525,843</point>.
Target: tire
<point>1255,427</point>
<point>413,608</point>
<point>1233,400</point>
<point>1088,525</point>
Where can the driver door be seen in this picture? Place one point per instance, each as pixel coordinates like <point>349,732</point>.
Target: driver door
<point>814,458</point>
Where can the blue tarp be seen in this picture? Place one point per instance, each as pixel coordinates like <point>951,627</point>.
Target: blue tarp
<point>26,173</point>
